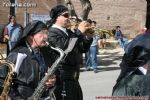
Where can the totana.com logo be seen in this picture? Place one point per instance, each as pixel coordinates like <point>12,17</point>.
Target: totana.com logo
<point>7,3</point>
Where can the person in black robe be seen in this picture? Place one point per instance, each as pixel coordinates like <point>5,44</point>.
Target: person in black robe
<point>32,67</point>
<point>135,69</point>
<point>67,74</point>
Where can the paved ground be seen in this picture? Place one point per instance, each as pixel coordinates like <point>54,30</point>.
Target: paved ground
<point>101,83</point>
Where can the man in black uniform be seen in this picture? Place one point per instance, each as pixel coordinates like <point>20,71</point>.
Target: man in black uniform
<point>67,85</point>
<point>134,78</point>
<point>32,68</point>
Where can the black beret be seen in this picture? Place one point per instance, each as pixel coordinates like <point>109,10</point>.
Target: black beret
<point>33,27</point>
<point>57,11</point>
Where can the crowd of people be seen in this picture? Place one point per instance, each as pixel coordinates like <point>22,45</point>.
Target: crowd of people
<point>30,44</point>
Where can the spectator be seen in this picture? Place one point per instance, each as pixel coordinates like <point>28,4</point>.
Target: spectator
<point>119,36</point>
<point>102,40</point>
<point>13,32</point>
<point>113,32</point>
<point>91,55</point>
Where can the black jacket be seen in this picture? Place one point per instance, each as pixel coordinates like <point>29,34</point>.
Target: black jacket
<point>25,82</point>
<point>68,70</point>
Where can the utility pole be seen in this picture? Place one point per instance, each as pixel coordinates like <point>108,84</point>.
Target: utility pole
<point>12,7</point>
<point>26,14</point>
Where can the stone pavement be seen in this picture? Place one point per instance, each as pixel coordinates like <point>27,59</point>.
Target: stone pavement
<point>96,85</point>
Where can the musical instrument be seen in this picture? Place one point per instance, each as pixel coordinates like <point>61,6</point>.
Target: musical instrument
<point>42,87</point>
<point>8,80</point>
<point>98,31</point>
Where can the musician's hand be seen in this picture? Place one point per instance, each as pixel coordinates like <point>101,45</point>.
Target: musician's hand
<point>51,82</point>
<point>83,26</point>
<point>89,32</point>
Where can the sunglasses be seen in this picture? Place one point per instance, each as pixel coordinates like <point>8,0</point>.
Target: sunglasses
<point>66,15</point>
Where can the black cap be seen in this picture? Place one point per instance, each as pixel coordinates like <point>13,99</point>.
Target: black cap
<point>55,12</point>
<point>33,27</point>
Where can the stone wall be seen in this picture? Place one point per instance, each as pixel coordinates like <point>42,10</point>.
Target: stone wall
<point>129,14</point>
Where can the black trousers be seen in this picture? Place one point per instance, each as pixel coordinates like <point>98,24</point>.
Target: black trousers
<point>68,90</point>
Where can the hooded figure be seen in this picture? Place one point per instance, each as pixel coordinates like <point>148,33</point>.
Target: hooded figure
<point>67,74</point>
<point>134,77</point>
<point>32,66</point>
<point>31,29</point>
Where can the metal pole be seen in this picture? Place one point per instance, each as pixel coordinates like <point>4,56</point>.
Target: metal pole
<point>26,15</point>
<point>12,8</point>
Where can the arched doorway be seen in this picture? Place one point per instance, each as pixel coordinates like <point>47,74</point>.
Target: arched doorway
<point>148,15</point>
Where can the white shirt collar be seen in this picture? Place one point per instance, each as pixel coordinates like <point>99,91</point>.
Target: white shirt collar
<point>61,28</point>
<point>143,70</point>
